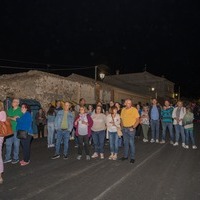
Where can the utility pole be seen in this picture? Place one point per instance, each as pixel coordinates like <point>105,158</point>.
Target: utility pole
<point>179,93</point>
<point>95,76</point>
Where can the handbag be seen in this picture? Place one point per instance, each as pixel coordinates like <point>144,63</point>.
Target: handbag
<point>5,128</point>
<point>119,131</point>
<point>22,134</point>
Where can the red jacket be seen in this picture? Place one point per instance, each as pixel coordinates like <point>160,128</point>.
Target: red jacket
<point>90,124</point>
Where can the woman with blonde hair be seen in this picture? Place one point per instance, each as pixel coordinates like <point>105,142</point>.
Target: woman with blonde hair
<point>3,119</point>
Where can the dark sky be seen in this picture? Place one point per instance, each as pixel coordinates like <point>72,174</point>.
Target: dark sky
<point>122,34</point>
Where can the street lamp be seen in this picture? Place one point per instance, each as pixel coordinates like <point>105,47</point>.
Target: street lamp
<point>153,89</point>
<point>102,75</point>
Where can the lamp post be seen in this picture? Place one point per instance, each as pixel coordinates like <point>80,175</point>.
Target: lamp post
<point>153,89</point>
<point>101,75</point>
<point>95,75</point>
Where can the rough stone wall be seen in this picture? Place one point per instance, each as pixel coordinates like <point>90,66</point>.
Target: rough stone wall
<point>49,89</point>
<point>18,87</point>
<point>45,88</point>
<point>40,86</point>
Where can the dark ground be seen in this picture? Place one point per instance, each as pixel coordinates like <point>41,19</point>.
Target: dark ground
<point>161,172</point>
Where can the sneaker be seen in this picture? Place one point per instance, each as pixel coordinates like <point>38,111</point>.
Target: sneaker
<point>186,147</point>
<point>162,142</point>
<point>7,161</point>
<point>176,144</point>
<point>132,161</point>
<point>152,140</point>
<point>171,142</point>
<point>157,141</point>
<point>24,163</point>
<point>101,155</point>
<point>55,156</point>
<point>21,161</point>
<point>115,157</point>
<point>65,157</point>
<point>145,140</point>
<point>194,147</point>
<point>79,157</point>
<point>87,157</point>
<point>183,145</point>
<point>95,155</point>
<point>111,157</point>
<point>15,161</point>
<point>123,158</point>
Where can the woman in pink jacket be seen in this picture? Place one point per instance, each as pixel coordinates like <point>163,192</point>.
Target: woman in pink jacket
<point>3,119</point>
<point>83,124</point>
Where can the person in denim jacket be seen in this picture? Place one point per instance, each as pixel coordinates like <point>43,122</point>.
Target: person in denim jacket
<point>63,126</point>
<point>155,119</point>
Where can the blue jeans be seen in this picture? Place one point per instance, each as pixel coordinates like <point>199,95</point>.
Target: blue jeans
<point>114,142</point>
<point>155,129</point>
<point>168,125</point>
<point>98,140</point>
<point>189,135</point>
<point>51,132</point>
<point>120,142</point>
<point>179,129</point>
<point>62,134</point>
<point>129,142</point>
<point>15,143</point>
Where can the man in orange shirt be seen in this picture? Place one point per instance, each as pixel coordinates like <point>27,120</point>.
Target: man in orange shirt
<point>130,120</point>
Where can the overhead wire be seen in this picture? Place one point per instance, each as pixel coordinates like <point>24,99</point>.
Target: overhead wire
<point>47,66</point>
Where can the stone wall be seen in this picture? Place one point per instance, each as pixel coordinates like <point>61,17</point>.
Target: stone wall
<point>49,89</point>
<point>46,88</point>
<point>41,86</point>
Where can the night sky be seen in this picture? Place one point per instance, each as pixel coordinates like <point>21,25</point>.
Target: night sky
<point>128,35</point>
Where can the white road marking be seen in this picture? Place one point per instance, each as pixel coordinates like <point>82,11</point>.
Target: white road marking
<point>105,192</point>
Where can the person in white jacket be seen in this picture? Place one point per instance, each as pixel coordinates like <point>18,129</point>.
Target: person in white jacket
<point>177,115</point>
<point>112,123</point>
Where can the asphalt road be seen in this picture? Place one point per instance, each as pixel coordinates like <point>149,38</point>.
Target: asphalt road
<point>161,172</point>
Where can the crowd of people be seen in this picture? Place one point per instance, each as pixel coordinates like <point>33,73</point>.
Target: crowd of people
<point>93,125</point>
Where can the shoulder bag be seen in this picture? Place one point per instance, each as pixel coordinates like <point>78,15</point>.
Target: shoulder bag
<point>22,134</point>
<point>5,128</point>
<point>119,130</point>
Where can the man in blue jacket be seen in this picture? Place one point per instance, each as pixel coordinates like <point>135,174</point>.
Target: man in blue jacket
<point>63,126</point>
